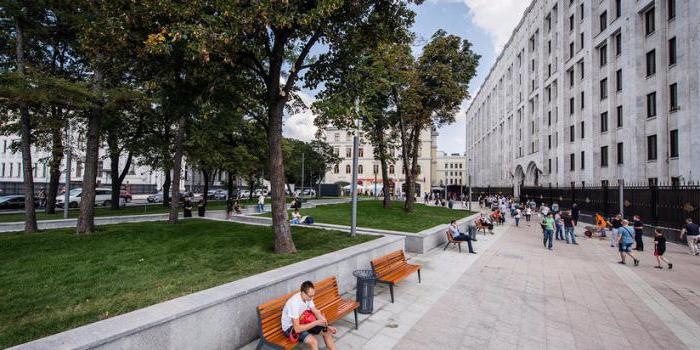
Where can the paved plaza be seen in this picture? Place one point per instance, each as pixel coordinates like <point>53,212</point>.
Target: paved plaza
<point>514,294</point>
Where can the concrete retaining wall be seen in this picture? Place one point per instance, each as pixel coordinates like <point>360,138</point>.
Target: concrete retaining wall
<point>222,317</point>
<point>99,220</point>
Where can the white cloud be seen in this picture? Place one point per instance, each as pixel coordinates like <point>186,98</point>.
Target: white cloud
<point>497,17</point>
<point>300,125</point>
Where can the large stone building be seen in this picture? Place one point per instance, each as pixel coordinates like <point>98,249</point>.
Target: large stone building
<point>369,170</point>
<point>587,92</point>
<point>449,169</point>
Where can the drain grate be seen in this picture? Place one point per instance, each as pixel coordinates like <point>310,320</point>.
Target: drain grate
<point>511,256</point>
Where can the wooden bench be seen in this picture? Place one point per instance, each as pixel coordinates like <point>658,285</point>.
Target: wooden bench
<point>327,300</point>
<point>392,268</point>
<point>451,240</point>
<point>480,227</point>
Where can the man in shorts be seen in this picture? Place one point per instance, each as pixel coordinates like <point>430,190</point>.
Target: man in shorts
<point>295,307</point>
<point>625,239</point>
<point>693,232</point>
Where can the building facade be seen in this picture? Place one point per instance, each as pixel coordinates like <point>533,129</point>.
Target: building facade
<point>449,169</point>
<point>587,92</point>
<point>369,170</point>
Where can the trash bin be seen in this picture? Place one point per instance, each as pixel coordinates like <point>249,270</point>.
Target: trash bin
<point>365,290</point>
<point>201,210</point>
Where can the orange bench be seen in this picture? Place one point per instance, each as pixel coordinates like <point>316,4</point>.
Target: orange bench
<point>392,268</point>
<point>451,240</point>
<point>327,300</point>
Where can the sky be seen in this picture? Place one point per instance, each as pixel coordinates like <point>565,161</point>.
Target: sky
<point>487,24</point>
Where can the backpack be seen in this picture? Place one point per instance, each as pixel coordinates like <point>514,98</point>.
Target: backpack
<point>309,220</point>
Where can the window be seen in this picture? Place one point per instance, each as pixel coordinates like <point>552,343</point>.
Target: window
<point>347,169</point>
<point>391,169</point>
<point>603,20</point>
<point>651,147</point>
<point>581,11</point>
<point>78,169</point>
<point>649,24</point>
<point>348,136</point>
<point>620,153</point>
<point>572,133</point>
<point>4,146</point>
<point>672,51</point>
<point>348,152</point>
<point>583,160</point>
<point>619,116</point>
<point>375,169</point>
<point>603,53</point>
<point>571,23</point>
<point>360,169</point>
<point>618,44</point>
<point>604,122</point>
<point>336,151</point>
<point>549,118</point>
<point>604,156</point>
<point>583,130</point>
<point>618,8</point>
<point>580,70</point>
<point>651,63</point>
<point>673,92</point>
<point>12,165</point>
<point>571,77</point>
<point>549,46</point>
<point>618,80</point>
<point>36,170</point>
<point>549,141</point>
<point>3,170</point>
<point>572,162</point>
<point>582,99</point>
<point>651,105</point>
<point>582,41</point>
<point>336,169</point>
<point>671,9</point>
<point>673,147</point>
<point>336,137</point>
<point>571,49</point>
<point>571,106</point>
<point>361,152</point>
<point>604,89</point>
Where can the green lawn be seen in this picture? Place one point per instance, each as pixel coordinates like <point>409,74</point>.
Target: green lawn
<point>371,214</point>
<point>130,210</point>
<point>54,280</point>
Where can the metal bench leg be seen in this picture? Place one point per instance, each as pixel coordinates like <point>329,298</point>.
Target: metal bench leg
<point>459,245</point>
<point>356,324</point>
<point>260,345</point>
<point>446,245</point>
<point>391,291</point>
<point>418,275</point>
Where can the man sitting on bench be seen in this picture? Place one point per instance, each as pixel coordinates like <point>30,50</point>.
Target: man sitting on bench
<point>459,236</point>
<point>302,304</point>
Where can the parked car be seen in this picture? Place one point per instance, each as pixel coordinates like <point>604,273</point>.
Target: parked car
<point>244,194</point>
<point>221,195</point>
<point>309,192</point>
<point>103,197</point>
<point>13,202</point>
<point>155,198</point>
<point>126,195</point>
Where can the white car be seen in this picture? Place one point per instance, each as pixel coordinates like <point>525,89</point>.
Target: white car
<point>244,194</point>
<point>103,197</point>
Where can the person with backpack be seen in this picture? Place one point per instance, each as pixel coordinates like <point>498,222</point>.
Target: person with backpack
<point>301,320</point>
<point>548,230</point>
<point>625,239</point>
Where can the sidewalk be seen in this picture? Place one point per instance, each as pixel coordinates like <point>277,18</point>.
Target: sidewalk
<point>517,295</point>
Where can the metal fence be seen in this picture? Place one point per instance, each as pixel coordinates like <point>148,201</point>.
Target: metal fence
<point>658,205</point>
<point>12,188</point>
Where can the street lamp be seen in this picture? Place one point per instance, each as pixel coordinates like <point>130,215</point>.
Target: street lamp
<point>469,182</point>
<point>69,152</point>
<point>355,150</point>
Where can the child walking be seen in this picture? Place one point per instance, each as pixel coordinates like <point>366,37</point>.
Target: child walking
<point>660,249</point>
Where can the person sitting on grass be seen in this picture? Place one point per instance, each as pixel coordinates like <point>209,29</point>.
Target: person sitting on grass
<point>299,308</point>
<point>237,207</point>
<point>296,217</point>
<point>459,236</point>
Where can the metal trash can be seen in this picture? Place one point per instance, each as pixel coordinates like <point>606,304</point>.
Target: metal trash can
<point>365,290</point>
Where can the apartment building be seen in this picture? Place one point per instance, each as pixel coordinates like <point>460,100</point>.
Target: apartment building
<point>587,92</point>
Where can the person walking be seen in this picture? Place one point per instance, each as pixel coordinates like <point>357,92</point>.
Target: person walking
<point>517,217</point>
<point>569,233</point>
<point>625,240</point>
<point>616,223</point>
<point>548,230</point>
<point>638,233</point>
<point>261,203</point>
<point>660,249</point>
<point>692,231</point>
<point>575,213</point>
<point>528,214</point>
<point>559,225</point>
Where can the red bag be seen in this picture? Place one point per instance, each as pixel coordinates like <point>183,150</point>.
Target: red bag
<point>306,317</point>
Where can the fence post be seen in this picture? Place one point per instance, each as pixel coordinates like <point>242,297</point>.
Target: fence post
<point>621,200</point>
<point>654,202</point>
<point>605,200</point>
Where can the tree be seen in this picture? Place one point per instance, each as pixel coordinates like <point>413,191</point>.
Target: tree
<point>436,85</point>
<point>318,156</point>
<point>277,40</point>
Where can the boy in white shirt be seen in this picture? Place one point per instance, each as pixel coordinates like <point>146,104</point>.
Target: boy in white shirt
<point>294,307</point>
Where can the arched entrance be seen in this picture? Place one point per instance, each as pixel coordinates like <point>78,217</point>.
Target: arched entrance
<point>532,175</point>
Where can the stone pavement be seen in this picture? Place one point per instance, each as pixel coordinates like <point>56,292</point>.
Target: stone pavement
<point>517,295</point>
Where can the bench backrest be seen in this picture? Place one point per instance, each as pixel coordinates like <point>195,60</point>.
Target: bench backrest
<point>270,313</point>
<point>388,263</point>
<point>449,236</point>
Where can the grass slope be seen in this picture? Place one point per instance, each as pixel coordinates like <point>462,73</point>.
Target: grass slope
<point>371,214</point>
<point>55,280</point>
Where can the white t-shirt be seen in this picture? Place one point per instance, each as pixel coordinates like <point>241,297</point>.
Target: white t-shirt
<point>294,307</point>
<point>261,199</point>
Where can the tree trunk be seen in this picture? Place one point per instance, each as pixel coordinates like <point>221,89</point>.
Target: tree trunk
<point>54,169</point>
<point>26,141</point>
<point>177,168</point>
<point>86,221</point>
<point>280,224</point>
<point>166,188</point>
<point>381,149</point>
<point>117,175</point>
<point>411,172</point>
<point>206,174</point>
<point>229,185</point>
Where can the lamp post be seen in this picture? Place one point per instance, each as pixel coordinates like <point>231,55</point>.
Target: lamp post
<point>469,182</point>
<point>302,176</point>
<point>69,152</point>
<point>355,150</point>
